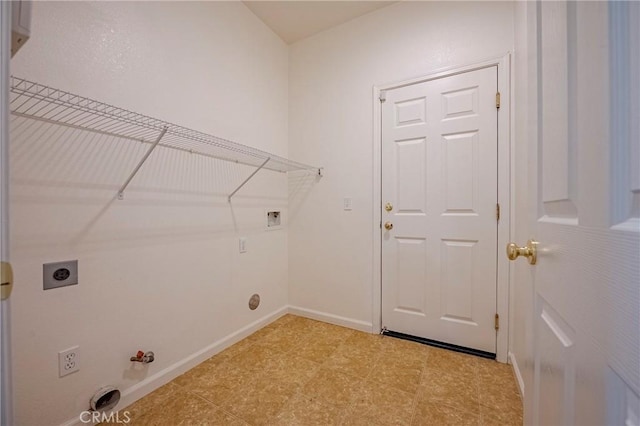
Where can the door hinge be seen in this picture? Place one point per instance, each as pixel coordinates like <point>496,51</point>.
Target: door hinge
<point>497,324</point>
<point>498,211</point>
<point>383,96</point>
<point>498,100</point>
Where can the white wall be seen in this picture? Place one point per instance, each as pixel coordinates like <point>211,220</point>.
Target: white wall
<point>331,76</point>
<point>160,270</point>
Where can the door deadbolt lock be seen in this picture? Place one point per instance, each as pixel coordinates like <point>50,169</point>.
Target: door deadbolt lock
<point>530,251</point>
<point>388,207</point>
<point>388,226</point>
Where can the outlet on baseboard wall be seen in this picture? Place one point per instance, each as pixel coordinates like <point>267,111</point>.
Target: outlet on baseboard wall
<point>69,361</point>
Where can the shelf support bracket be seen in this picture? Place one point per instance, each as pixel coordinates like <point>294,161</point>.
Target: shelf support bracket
<point>249,178</point>
<point>146,155</point>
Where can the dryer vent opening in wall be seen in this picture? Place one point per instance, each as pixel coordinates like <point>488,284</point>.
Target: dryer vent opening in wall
<point>273,219</point>
<point>254,302</point>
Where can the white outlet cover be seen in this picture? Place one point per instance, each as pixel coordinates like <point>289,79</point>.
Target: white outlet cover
<point>69,361</point>
<point>242,244</point>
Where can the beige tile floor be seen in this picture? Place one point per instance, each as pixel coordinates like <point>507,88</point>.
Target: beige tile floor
<point>298,371</point>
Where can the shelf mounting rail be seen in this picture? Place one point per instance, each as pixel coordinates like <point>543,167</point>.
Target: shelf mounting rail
<point>36,101</point>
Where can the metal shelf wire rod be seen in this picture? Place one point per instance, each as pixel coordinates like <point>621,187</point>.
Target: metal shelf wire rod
<point>37,101</point>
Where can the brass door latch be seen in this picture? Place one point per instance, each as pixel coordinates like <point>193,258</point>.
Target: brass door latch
<point>530,251</point>
<point>6,281</point>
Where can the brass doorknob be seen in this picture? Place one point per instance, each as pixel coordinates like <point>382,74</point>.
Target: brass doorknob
<point>388,207</point>
<point>388,226</point>
<point>529,251</point>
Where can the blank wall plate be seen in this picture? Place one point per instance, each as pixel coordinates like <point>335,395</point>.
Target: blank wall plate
<point>59,274</point>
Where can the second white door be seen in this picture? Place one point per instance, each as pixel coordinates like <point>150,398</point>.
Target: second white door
<point>439,196</point>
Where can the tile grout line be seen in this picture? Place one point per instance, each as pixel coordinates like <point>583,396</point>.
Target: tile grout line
<point>417,395</point>
<point>478,394</point>
<point>298,392</point>
<point>251,343</point>
<point>345,411</point>
<point>220,408</point>
<point>351,403</point>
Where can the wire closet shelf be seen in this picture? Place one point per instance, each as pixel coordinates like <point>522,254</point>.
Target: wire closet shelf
<point>39,102</point>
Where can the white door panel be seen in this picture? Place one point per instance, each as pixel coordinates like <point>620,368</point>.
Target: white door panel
<point>583,161</point>
<point>439,168</point>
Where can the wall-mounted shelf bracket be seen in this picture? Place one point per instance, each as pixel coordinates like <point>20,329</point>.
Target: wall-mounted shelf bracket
<point>142,160</point>
<point>249,178</point>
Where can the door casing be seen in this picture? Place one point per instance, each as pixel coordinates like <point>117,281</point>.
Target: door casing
<point>6,389</point>
<point>505,197</point>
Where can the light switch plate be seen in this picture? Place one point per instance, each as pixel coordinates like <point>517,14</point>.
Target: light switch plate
<point>347,203</point>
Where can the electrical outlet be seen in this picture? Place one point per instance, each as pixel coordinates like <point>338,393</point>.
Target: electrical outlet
<point>59,274</point>
<point>69,361</point>
<point>243,244</point>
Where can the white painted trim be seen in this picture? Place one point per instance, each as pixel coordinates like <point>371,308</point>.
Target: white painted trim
<point>445,72</point>
<point>505,147</point>
<point>511,271</point>
<point>6,380</point>
<point>624,44</point>
<point>332,319</point>
<point>376,260</point>
<point>137,391</point>
<point>517,373</point>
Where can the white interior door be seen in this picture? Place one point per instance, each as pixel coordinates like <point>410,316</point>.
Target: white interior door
<point>439,193</point>
<point>584,186</point>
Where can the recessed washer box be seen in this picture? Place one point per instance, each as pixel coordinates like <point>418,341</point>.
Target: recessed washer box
<point>59,274</point>
<point>274,219</point>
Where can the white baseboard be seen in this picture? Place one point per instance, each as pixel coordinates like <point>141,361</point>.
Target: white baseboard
<point>367,327</point>
<point>516,370</point>
<point>137,391</point>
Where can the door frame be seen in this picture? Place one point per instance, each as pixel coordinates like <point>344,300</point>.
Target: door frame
<point>505,197</point>
<point>6,389</point>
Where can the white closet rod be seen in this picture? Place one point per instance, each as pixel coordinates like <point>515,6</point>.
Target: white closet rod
<point>39,102</point>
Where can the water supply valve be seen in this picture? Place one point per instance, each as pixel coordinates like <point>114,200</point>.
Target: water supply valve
<point>144,357</point>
